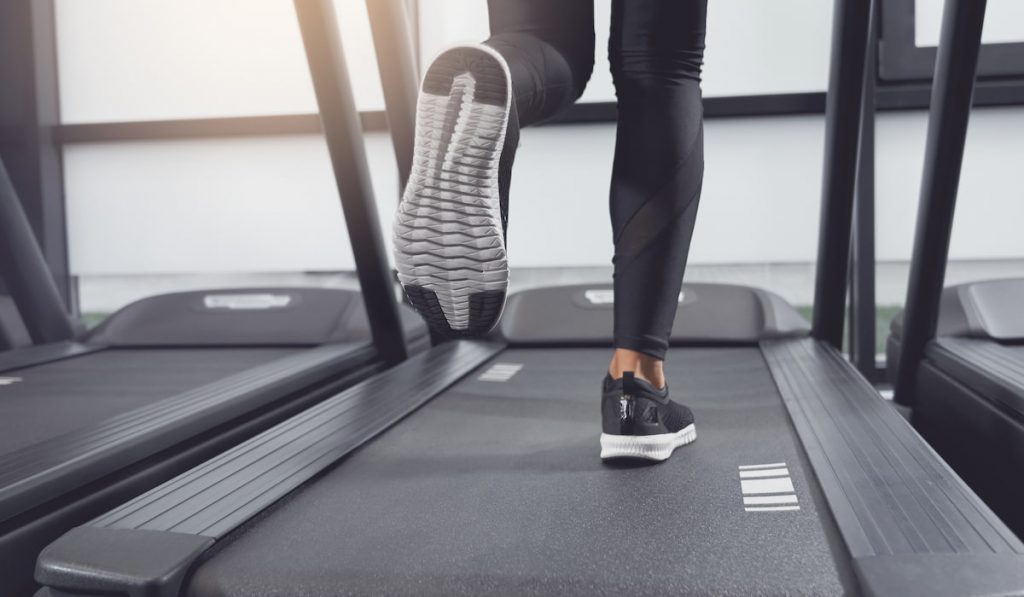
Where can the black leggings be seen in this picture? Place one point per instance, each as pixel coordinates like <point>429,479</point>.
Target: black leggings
<point>656,50</point>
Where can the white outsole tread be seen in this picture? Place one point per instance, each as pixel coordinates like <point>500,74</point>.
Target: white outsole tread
<point>648,447</point>
<point>448,232</point>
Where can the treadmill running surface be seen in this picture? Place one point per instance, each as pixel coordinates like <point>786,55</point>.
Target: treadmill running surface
<point>59,397</point>
<point>513,499</point>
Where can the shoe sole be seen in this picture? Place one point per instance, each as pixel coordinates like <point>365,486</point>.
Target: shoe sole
<point>448,235</point>
<point>650,447</point>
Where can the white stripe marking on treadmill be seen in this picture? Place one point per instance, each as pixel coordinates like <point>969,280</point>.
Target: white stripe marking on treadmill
<point>767,488</point>
<point>768,500</point>
<point>9,381</point>
<point>766,472</point>
<point>751,467</point>
<point>780,485</point>
<point>500,372</point>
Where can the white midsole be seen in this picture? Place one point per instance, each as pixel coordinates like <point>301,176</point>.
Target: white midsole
<point>651,447</point>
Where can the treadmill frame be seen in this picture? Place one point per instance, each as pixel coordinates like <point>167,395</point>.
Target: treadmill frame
<point>906,519</point>
<point>956,69</point>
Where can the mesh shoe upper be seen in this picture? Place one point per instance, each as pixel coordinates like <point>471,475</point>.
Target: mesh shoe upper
<point>631,406</point>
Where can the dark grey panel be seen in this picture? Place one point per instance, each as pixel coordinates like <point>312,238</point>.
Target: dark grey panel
<point>497,488</point>
<point>978,437</point>
<point>995,371</point>
<point>178,412</point>
<point>707,313</point>
<point>245,317</point>
<point>890,493</point>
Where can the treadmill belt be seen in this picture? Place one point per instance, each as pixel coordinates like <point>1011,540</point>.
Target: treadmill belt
<point>59,397</point>
<point>496,487</point>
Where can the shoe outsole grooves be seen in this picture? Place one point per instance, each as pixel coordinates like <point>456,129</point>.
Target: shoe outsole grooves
<point>448,234</point>
<point>647,447</point>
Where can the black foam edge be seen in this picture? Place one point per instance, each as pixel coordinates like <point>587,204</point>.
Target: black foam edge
<point>39,472</point>
<point>213,499</point>
<point>839,486</point>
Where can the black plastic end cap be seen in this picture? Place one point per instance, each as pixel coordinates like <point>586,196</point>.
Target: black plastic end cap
<point>137,563</point>
<point>941,574</point>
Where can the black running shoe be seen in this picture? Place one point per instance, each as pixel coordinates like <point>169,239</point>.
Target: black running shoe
<point>450,228</point>
<point>639,421</point>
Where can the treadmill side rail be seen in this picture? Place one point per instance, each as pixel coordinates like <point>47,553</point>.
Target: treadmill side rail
<point>897,504</point>
<point>940,575</point>
<point>211,500</point>
<point>135,563</point>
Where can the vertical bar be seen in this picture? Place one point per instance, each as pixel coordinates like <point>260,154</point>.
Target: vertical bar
<point>862,276</point>
<point>23,269</point>
<point>28,64</point>
<point>396,61</point>
<point>842,131</point>
<point>325,55</point>
<point>952,93</point>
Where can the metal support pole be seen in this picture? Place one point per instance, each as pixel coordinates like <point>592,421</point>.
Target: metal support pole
<point>23,268</point>
<point>842,131</point>
<point>396,61</point>
<point>952,92</point>
<point>862,274</point>
<point>29,113</point>
<point>325,55</point>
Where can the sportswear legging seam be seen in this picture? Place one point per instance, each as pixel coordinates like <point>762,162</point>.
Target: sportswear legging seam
<point>670,179</point>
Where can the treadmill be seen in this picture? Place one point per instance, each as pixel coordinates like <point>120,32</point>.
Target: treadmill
<point>91,419</point>
<point>956,355</point>
<point>473,467</point>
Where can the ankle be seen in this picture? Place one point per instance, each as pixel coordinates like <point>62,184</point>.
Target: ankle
<point>643,366</point>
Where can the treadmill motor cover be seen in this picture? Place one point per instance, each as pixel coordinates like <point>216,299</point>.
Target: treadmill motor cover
<point>707,314</point>
<point>992,310</point>
<point>245,317</point>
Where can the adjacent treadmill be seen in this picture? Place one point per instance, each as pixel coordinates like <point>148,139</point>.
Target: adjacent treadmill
<point>957,355</point>
<point>473,468</point>
<point>88,420</point>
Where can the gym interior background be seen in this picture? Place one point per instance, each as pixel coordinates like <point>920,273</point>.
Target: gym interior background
<point>192,157</point>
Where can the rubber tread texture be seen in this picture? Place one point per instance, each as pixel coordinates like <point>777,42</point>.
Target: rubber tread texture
<point>449,230</point>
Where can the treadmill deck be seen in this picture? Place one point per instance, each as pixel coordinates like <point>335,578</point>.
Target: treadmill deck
<point>496,487</point>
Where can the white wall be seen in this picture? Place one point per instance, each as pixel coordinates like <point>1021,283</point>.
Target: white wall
<point>1004,22</point>
<point>269,204</point>
<point>250,204</point>
<point>123,60</point>
<point>753,46</point>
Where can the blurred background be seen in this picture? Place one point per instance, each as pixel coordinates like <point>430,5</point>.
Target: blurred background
<point>191,156</point>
